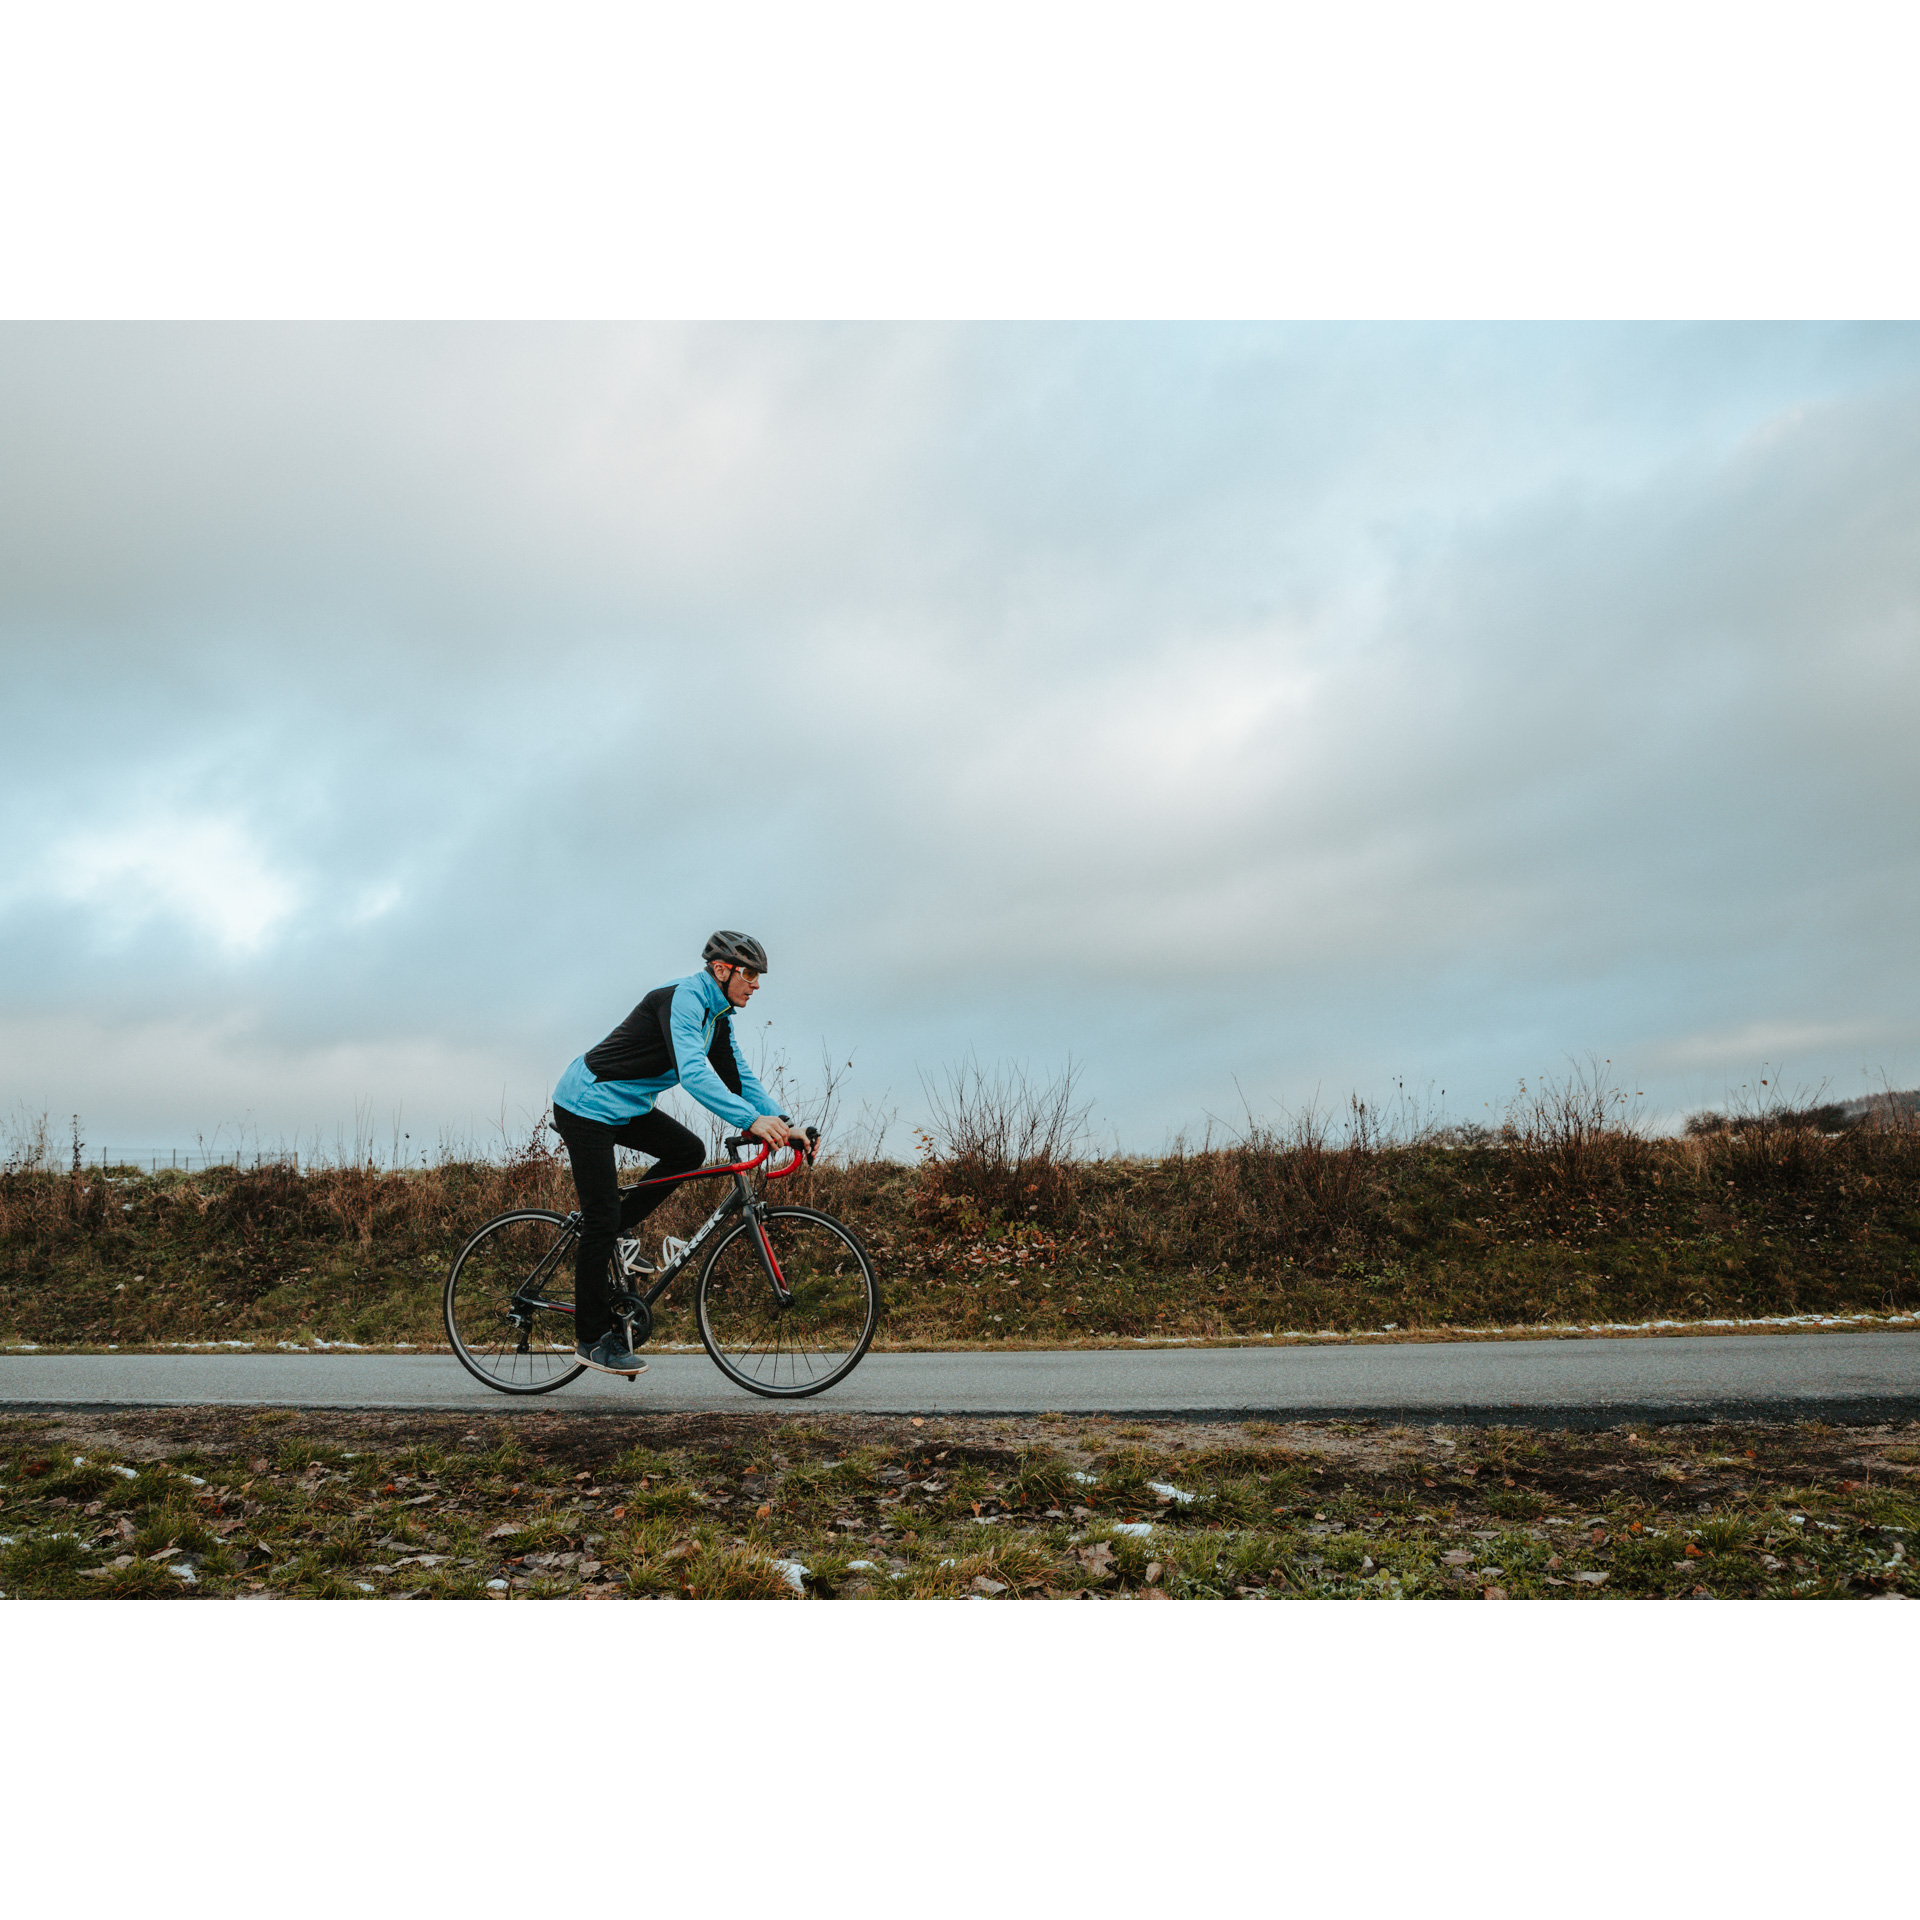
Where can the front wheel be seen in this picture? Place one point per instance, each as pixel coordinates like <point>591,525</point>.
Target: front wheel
<point>509,1304</point>
<point>813,1339</point>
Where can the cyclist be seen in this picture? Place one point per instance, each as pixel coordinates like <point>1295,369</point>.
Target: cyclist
<point>681,1035</point>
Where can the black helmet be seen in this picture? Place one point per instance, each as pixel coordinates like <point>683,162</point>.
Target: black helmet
<point>741,948</point>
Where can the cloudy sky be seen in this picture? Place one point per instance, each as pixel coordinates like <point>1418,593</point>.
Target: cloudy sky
<point>1241,710</point>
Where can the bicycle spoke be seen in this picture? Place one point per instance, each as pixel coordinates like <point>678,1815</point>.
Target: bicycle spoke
<point>813,1338</point>
<point>517,1267</point>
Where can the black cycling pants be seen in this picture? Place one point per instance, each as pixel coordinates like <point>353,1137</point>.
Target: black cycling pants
<point>605,1211</point>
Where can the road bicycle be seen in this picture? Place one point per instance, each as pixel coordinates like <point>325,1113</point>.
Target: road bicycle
<point>786,1305</point>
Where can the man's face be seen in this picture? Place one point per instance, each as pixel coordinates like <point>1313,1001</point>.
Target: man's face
<point>742,984</point>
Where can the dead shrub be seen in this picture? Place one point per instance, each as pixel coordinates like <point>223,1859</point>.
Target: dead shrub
<point>1579,1137</point>
<point>1003,1145</point>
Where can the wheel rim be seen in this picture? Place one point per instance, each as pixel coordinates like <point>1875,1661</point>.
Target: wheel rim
<point>512,1270</point>
<point>811,1341</point>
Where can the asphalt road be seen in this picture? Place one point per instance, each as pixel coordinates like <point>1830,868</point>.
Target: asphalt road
<point>1590,1383</point>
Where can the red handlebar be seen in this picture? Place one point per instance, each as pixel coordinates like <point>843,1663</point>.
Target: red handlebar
<point>799,1152</point>
<point>765,1153</point>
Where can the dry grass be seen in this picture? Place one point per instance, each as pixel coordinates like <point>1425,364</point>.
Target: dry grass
<point>1007,1230</point>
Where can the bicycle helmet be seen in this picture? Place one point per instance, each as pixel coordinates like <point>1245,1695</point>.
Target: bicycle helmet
<point>740,948</point>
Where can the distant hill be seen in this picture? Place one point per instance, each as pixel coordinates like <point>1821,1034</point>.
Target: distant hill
<point>1889,1103</point>
<point>1834,1116</point>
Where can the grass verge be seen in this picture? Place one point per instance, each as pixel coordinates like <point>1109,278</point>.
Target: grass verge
<point>202,1503</point>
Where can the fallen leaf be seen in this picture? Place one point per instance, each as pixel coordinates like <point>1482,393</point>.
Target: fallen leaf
<point>1459,1557</point>
<point>1692,1552</point>
<point>1554,1563</point>
<point>1591,1579</point>
<point>1494,1593</point>
<point>981,1584</point>
<point>763,1512</point>
<point>919,1423</point>
<point>1153,1571</point>
<point>503,1530</point>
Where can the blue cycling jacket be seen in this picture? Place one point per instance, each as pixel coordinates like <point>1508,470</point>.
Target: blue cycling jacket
<point>680,1035</point>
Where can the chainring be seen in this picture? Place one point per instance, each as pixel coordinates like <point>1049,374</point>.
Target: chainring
<point>636,1316</point>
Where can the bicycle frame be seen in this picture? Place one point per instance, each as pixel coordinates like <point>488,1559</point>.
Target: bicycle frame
<point>741,1199</point>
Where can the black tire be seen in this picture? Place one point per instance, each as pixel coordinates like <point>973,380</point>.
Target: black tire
<point>819,1336</point>
<point>490,1285</point>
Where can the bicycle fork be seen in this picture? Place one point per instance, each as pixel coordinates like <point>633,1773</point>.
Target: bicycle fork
<point>769,1262</point>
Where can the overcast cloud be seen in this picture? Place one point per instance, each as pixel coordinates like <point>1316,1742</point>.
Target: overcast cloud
<point>1267,709</point>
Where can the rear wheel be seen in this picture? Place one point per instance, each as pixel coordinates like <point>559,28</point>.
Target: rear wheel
<point>509,1304</point>
<point>813,1339</point>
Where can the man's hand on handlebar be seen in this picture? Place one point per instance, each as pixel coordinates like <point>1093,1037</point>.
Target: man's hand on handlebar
<point>777,1133</point>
